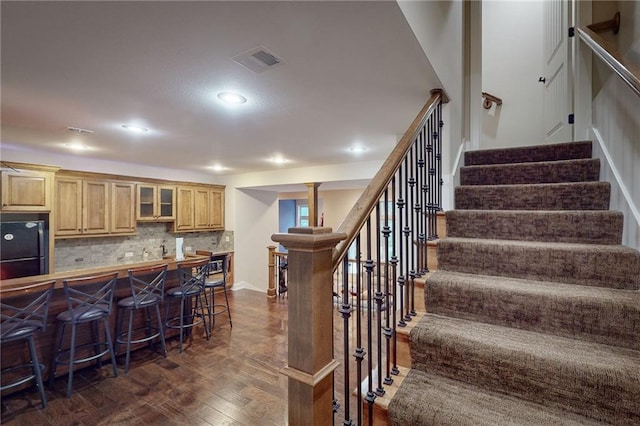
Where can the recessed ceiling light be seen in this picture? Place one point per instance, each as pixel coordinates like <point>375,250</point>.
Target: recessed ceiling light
<point>231,98</point>
<point>76,146</point>
<point>357,149</point>
<point>278,159</point>
<point>134,128</point>
<point>218,168</point>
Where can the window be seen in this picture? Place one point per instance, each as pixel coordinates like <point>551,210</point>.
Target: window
<point>302,218</point>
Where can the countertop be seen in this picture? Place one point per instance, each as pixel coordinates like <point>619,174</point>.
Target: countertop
<point>23,283</point>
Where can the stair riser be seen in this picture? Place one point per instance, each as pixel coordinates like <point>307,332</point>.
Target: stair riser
<point>565,196</point>
<point>590,227</point>
<point>585,265</point>
<point>589,319</point>
<point>526,376</point>
<point>587,170</point>
<point>563,151</point>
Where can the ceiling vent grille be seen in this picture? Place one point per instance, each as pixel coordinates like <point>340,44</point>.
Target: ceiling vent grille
<point>258,59</point>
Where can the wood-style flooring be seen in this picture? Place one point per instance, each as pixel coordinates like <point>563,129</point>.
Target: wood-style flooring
<point>232,379</point>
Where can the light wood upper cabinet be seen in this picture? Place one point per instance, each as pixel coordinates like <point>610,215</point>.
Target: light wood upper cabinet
<point>95,207</point>
<point>68,206</point>
<point>86,207</point>
<point>217,208</point>
<point>27,190</point>
<point>156,203</point>
<point>202,208</point>
<point>185,218</point>
<point>123,216</point>
<point>206,204</point>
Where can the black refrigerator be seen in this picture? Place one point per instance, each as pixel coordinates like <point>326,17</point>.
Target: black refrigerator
<point>23,252</point>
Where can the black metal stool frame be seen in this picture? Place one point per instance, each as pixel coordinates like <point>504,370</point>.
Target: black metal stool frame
<point>211,286</point>
<point>89,306</point>
<point>192,275</point>
<point>147,291</point>
<point>21,323</point>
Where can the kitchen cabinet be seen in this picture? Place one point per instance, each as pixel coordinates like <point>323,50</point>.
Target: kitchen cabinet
<point>123,216</point>
<point>185,217</point>
<point>25,190</point>
<point>209,209</point>
<point>199,208</point>
<point>156,203</point>
<point>86,207</point>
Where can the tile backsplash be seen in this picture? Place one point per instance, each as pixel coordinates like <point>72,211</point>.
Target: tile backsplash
<point>84,253</point>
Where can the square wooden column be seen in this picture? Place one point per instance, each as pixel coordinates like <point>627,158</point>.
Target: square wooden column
<point>312,197</point>
<point>310,335</point>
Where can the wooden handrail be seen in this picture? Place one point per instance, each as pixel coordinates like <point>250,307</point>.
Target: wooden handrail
<point>489,100</point>
<point>630,73</point>
<point>611,24</point>
<point>358,215</point>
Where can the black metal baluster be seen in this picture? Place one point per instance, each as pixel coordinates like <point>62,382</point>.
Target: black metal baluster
<point>421,211</point>
<point>379,300</point>
<point>386,232</point>
<point>394,266</point>
<point>429,151</point>
<point>439,155</point>
<point>407,240</point>
<point>412,256</point>
<point>345,310</point>
<point>359,352</point>
<point>401,205</point>
<point>368,265</point>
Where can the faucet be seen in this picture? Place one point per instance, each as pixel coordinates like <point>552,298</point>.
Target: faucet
<point>164,250</point>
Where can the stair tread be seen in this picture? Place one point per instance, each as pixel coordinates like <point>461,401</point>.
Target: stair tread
<point>597,314</point>
<point>534,287</point>
<point>574,170</point>
<point>540,196</point>
<point>549,244</point>
<point>620,362</point>
<point>577,226</point>
<point>521,154</point>
<point>588,264</point>
<point>427,398</point>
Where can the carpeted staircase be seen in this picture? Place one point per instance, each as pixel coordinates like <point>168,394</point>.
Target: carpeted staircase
<point>533,317</point>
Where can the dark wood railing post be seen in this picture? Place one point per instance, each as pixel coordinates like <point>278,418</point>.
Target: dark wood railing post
<point>271,291</point>
<point>310,335</point>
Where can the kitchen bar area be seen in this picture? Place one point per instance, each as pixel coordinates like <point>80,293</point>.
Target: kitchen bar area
<point>84,254</point>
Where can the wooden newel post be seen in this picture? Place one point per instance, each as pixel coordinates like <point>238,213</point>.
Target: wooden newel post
<point>310,364</point>
<point>271,291</point>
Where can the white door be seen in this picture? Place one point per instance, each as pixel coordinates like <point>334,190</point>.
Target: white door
<point>558,93</point>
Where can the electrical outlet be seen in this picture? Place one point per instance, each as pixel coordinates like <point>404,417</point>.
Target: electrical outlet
<point>187,249</point>
<point>226,238</point>
<point>128,254</point>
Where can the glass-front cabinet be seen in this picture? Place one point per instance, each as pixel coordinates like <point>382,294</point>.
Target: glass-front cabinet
<point>156,203</point>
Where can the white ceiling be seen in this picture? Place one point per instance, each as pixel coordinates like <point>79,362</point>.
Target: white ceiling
<point>353,72</point>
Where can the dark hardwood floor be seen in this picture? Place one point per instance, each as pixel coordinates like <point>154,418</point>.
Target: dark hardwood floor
<point>233,379</point>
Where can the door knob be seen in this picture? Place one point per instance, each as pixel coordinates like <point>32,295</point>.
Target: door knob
<point>541,79</point>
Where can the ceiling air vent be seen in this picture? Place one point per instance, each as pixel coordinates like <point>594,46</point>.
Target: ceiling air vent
<point>258,59</point>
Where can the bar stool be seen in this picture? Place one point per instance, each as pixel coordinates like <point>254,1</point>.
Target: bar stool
<point>89,300</point>
<point>214,309</point>
<point>26,315</point>
<point>147,291</point>
<point>191,275</point>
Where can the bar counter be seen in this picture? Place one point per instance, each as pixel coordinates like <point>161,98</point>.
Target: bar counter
<point>16,353</point>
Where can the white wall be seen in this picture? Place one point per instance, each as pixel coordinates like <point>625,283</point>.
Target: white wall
<point>256,214</point>
<point>439,28</point>
<point>512,61</point>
